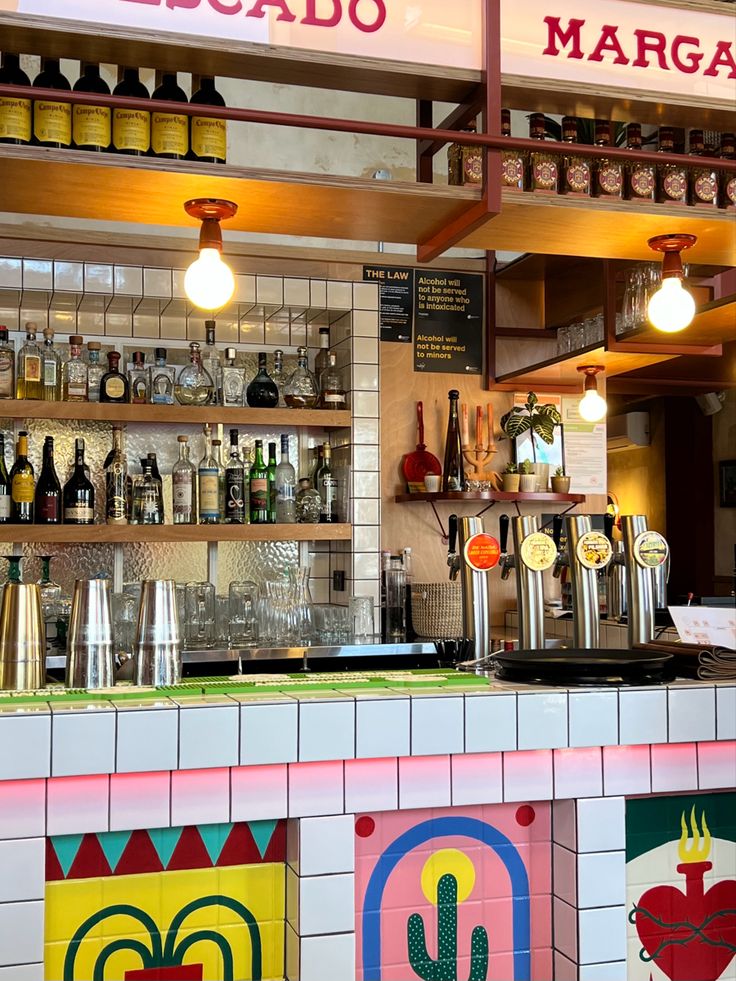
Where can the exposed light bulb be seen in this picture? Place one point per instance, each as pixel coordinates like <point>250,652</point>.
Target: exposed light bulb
<point>672,307</point>
<point>209,282</point>
<point>592,407</point>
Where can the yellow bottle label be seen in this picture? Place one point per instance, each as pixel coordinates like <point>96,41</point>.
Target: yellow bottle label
<point>169,133</point>
<point>52,122</point>
<point>15,119</point>
<point>32,368</point>
<point>114,388</point>
<point>131,130</point>
<point>23,488</point>
<point>92,126</point>
<point>209,137</point>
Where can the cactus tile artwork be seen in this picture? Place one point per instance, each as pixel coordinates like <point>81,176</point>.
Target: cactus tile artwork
<point>461,894</point>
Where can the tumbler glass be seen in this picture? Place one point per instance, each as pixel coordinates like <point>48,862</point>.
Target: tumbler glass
<point>243,600</point>
<point>361,619</point>
<point>395,609</point>
<point>200,614</point>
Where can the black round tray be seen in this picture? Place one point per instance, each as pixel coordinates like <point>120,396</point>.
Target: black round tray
<point>571,668</point>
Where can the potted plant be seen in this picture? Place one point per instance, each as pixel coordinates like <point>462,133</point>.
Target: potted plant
<point>511,478</point>
<point>537,419</point>
<point>527,478</point>
<point>560,482</point>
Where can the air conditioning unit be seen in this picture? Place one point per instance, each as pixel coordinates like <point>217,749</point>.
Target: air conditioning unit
<point>628,431</point>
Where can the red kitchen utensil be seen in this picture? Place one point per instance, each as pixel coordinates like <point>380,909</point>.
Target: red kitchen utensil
<point>416,465</point>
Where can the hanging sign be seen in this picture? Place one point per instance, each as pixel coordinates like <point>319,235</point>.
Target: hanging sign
<point>448,323</point>
<point>482,552</point>
<point>395,300</point>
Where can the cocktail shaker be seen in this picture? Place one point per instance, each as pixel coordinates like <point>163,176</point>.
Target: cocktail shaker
<point>90,658</point>
<point>22,638</point>
<point>158,641</point>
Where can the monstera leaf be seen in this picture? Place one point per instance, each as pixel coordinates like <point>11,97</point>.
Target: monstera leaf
<point>539,419</point>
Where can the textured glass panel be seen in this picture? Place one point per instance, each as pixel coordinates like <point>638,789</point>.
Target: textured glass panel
<point>256,561</point>
<point>70,562</point>
<point>167,560</point>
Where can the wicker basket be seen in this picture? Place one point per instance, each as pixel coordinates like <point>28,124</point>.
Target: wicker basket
<point>437,609</point>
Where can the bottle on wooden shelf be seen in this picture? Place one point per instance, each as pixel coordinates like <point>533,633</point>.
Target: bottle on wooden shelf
<point>148,504</point>
<point>79,493</point>
<point>234,513</point>
<point>233,381</point>
<point>453,472</point>
<point>262,392</point>
<point>326,484</point>
<point>131,128</point>
<point>91,124</point>
<point>161,379</point>
<point>208,483</point>
<point>331,388</point>
<point>727,190</point>
<point>16,114</point>
<point>114,386</point>
<point>138,379</point>
<point>322,358</point>
<point>95,370</point>
<point>169,130</point>
<point>641,177</point>
<point>52,119</point>
<point>5,495</point>
<point>74,373</point>
<point>301,390</point>
<point>271,467</point>
<point>184,486</point>
<point>703,179</point>
<point>608,174</point>
<point>117,491</point>
<point>671,178</point>
<point>29,376</point>
<point>51,368</point>
<point>7,365</point>
<point>575,178</point>
<point>211,360</point>
<point>543,173</point>
<point>208,135</point>
<point>22,485</point>
<point>194,386</point>
<point>513,163</point>
<point>285,486</point>
<point>258,487</point>
<point>48,499</point>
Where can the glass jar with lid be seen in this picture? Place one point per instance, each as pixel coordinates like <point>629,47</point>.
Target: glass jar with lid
<point>641,177</point>
<point>543,173</point>
<point>671,177</point>
<point>512,161</point>
<point>608,174</point>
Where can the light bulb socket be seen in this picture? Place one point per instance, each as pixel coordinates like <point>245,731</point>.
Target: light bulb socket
<point>590,371</point>
<point>210,211</point>
<point>671,246</point>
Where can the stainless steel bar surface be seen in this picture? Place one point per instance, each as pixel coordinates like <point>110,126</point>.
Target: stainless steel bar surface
<point>529,588</point>
<point>584,586</point>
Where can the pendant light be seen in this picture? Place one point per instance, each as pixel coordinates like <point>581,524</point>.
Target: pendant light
<point>672,307</point>
<point>209,282</point>
<point>592,406</point>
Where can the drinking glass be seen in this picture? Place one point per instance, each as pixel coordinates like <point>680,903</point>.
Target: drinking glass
<point>200,614</point>
<point>590,331</point>
<point>395,612</point>
<point>563,340</point>
<point>222,620</point>
<point>577,336</point>
<point>361,618</point>
<point>243,599</point>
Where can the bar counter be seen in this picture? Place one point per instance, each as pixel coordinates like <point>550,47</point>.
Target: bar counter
<point>309,802</point>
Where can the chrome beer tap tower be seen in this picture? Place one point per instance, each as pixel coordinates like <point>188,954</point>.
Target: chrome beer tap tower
<point>534,553</point>
<point>586,553</point>
<point>644,552</point>
<point>476,598</point>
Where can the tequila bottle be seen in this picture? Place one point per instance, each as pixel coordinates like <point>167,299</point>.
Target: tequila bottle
<point>74,374</point>
<point>233,380</point>
<point>208,483</point>
<point>161,379</point>
<point>512,161</point>
<point>138,379</point>
<point>641,178</point>
<point>211,361</point>
<point>234,484</point>
<point>51,368</point>
<point>301,391</point>
<point>184,486</point>
<point>194,385</point>
<point>114,385</point>
<point>7,365</point>
<point>29,384</point>
<point>95,370</point>
<point>671,178</point>
<point>576,171</point>
<point>703,179</point>
<point>544,173</point>
<point>608,174</point>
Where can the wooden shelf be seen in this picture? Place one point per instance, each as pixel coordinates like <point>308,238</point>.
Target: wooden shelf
<point>180,414</point>
<point>563,370</point>
<point>714,323</point>
<point>106,534</point>
<point>605,229</point>
<point>151,191</point>
<point>491,496</point>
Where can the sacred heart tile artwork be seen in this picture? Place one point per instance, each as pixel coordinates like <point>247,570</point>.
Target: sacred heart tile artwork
<point>454,894</point>
<point>199,903</point>
<point>681,887</point>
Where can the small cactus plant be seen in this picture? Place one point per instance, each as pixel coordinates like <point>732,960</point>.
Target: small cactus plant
<point>444,968</point>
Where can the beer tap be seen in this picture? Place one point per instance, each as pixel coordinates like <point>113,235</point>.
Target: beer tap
<point>644,552</point>
<point>471,553</point>
<point>616,578</point>
<point>533,554</point>
<point>586,553</point>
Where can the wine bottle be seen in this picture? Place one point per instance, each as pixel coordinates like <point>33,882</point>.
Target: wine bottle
<point>22,485</point>
<point>48,490</point>
<point>5,498</point>
<point>79,494</point>
<point>208,135</point>
<point>15,113</point>
<point>169,130</point>
<point>52,120</point>
<point>116,481</point>
<point>326,484</point>
<point>131,128</point>
<point>453,476</point>
<point>91,124</point>
<point>262,392</point>
<point>258,487</point>
<point>271,483</point>
<point>234,484</point>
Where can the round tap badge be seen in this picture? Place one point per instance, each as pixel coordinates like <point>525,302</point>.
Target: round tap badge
<point>482,552</point>
<point>650,550</point>
<point>594,550</point>
<point>538,552</point>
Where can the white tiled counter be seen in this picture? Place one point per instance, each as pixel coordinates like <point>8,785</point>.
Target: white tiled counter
<point>320,759</point>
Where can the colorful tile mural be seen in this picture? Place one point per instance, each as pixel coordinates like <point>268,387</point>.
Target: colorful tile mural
<point>681,887</point>
<point>454,894</point>
<point>185,904</point>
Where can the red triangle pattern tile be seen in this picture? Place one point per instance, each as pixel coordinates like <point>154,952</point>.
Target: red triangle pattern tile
<point>54,871</point>
<point>240,848</point>
<point>90,861</point>
<point>276,851</point>
<point>190,852</point>
<point>139,856</point>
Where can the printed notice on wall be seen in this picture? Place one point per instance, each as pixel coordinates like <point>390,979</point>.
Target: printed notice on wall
<point>448,324</point>
<point>585,450</point>
<point>395,300</point>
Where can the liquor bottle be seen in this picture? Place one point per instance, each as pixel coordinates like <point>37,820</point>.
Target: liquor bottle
<point>184,486</point>
<point>331,388</point>
<point>149,506</point>
<point>703,179</point>
<point>301,390</point>
<point>161,379</point>
<point>271,483</point>
<point>51,368</point>
<point>194,385</point>
<point>208,136</point>
<point>48,489</point>
<point>322,358</point>
<point>211,361</point>
<point>22,485</point>
<point>308,503</point>
<point>233,381</point>
<point>217,454</point>
<point>465,162</point>
<point>234,484</point>
<point>208,484</point>
<point>156,475</point>
<point>91,124</point>
<point>79,494</point>
<point>641,178</point>
<point>543,173</point>
<point>608,174</point>
<point>15,114</point>
<point>512,161</point>
<point>29,377</point>
<point>131,128</point>
<point>169,130</point>
<point>671,178</point>
<point>74,373</point>
<point>326,484</point>
<point>7,365</point>
<point>277,375</point>
<point>114,385</point>
<point>116,481</point>
<point>138,379</point>
<point>285,486</point>
<point>258,487</point>
<point>262,392</point>
<point>453,473</point>
<point>727,193</point>
<point>576,171</point>
<point>52,120</point>
<point>5,496</point>
<point>95,370</point>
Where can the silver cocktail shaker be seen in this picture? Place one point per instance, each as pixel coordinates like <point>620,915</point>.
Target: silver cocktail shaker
<point>90,660</point>
<point>158,643</point>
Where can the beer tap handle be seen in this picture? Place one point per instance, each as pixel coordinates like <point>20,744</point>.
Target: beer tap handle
<point>557,530</point>
<point>503,532</point>
<point>608,520</point>
<point>452,534</point>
